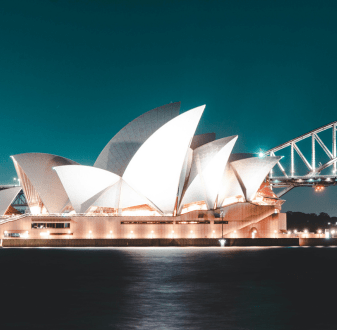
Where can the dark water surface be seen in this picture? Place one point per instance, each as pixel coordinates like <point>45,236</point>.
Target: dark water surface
<point>168,288</point>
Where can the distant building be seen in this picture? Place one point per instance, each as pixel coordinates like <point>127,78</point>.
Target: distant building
<point>154,179</point>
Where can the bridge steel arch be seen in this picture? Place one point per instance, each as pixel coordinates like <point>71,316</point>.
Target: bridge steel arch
<point>313,177</point>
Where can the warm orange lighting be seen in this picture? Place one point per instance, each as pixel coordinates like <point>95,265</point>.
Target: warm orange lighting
<point>200,205</point>
<point>319,188</point>
<point>140,210</point>
<point>233,200</point>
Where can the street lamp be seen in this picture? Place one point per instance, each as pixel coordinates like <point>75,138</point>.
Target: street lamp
<point>221,214</point>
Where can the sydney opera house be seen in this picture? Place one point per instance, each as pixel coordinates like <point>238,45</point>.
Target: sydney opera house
<point>154,179</point>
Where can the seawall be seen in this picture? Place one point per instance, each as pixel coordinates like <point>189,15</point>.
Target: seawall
<point>148,242</point>
<point>318,242</point>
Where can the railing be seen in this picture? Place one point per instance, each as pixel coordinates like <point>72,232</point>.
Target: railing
<point>5,219</point>
<point>9,218</point>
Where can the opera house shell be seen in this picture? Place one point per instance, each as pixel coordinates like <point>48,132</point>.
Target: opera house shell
<point>154,178</point>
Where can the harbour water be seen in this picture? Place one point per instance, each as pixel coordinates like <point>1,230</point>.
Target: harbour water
<point>168,288</point>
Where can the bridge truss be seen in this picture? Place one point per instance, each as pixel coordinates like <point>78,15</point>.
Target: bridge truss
<point>319,172</point>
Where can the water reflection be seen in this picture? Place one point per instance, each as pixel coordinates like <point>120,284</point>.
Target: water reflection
<point>168,288</point>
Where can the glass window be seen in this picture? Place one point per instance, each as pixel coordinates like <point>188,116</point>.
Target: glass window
<point>50,225</point>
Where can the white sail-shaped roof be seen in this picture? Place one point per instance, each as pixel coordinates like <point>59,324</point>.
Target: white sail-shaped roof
<point>85,184</point>
<point>230,186</point>
<point>251,172</point>
<point>209,162</point>
<point>201,139</point>
<point>7,197</point>
<point>185,173</point>
<point>155,169</point>
<point>117,154</point>
<point>36,174</point>
<point>110,196</point>
<point>129,197</point>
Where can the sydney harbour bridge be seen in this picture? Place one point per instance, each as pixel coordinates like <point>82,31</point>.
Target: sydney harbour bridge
<point>307,161</point>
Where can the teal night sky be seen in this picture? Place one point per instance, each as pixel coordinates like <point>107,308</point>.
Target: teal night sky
<point>72,73</point>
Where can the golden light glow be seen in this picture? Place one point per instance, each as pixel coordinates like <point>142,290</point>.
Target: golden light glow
<point>233,200</point>
<point>200,205</point>
<point>140,211</point>
<point>104,211</point>
<point>319,188</point>
<point>35,209</point>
